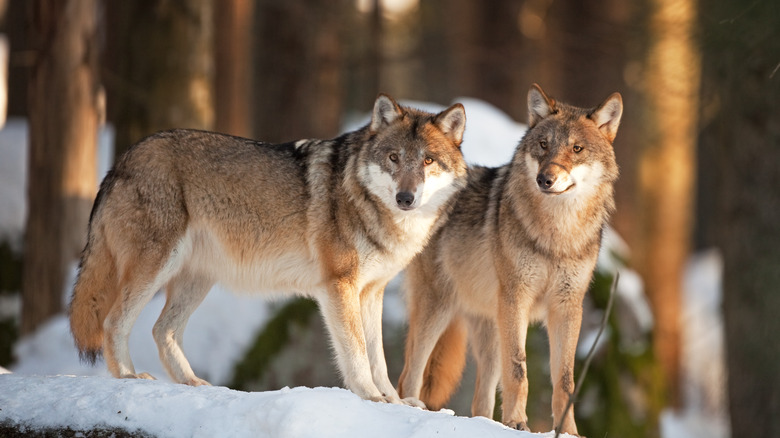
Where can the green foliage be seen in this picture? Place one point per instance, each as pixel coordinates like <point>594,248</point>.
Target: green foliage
<point>614,400</point>
<point>9,333</point>
<point>539,407</point>
<point>10,283</point>
<point>10,269</point>
<point>272,340</point>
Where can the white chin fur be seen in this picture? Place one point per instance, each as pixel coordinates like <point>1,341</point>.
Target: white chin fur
<point>382,185</point>
<point>586,177</point>
<point>562,184</point>
<point>437,189</point>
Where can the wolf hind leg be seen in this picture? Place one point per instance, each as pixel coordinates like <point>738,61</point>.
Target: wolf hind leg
<point>142,274</point>
<point>135,293</point>
<point>185,293</point>
<point>485,349</point>
<point>430,315</point>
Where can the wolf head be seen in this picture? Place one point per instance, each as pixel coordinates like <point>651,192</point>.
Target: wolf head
<point>568,150</point>
<point>415,160</point>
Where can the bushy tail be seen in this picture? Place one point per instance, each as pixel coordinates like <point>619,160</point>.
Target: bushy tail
<point>93,296</point>
<point>445,366</point>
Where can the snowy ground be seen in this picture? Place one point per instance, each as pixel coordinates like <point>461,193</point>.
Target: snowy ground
<point>169,410</point>
<point>50,387</point>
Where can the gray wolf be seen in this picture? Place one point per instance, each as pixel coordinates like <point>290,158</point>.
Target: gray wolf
<point>331,219</point>
<point>520,246</point>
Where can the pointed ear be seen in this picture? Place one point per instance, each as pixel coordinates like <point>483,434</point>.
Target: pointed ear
<point>607,116</point>
<point>386,110</point>
<point>539,105</point>
<point>452,122</point>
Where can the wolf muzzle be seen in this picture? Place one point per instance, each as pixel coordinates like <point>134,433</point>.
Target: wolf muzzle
<point>405,200</point>
<point>551,183</point>
<point>545,181</point>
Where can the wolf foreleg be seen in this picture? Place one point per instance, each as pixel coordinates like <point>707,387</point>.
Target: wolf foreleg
<point>371,313</point>
<point>513,320</point>
<point>340,307</point>
<point>563,327</point>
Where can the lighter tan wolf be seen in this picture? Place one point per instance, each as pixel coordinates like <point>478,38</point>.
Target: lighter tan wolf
<point>520,246</point>
<point>331,219</point>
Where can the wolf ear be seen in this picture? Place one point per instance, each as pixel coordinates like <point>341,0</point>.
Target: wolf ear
<point>539,105</point>
<point>607,116</point>
<point>452,122</point>
<point>386,110</point>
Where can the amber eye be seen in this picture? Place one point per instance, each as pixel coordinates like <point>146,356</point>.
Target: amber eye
<point>428,161</point>
<point>543,144</point>
<point>394,157</point>
<point>577,149</point>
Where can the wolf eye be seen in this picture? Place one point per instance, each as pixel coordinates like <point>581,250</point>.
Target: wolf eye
<point>394,157</point>
<point>577,149</point>
<point>428,161</point>
<point>543,144</point>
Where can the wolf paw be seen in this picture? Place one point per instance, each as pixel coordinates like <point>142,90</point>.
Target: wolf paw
<point>386,399</point>
<point>145,376</point>
<point>414,402</point>
<point>519,425</point>
<point>197,381</point>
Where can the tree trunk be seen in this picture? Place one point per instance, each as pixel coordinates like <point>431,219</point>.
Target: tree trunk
<point>233,81</point>
<point>490,55</point>
<point>667,174</point>
<point>62,159</point>
<point>742,86</point>
<point>299,69</point>
<point>161,73</point>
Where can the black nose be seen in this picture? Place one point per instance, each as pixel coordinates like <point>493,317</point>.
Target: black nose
<point>545,181</point>
<point>404,199</point>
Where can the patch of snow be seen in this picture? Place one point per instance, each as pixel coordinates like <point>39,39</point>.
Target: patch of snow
<point>13,177</point>
<point>171,410</point>
<point>217,335</point>
<point>691,424</point>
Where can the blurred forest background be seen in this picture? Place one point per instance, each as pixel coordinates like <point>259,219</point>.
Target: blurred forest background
<point>698,148</point>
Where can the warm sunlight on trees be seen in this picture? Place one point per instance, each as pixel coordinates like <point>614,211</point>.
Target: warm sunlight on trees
<point>302,95</point>
<point>233,33</point>
<point>666,175</point>
<point>64,117</point>
<point>698,150</point>
<point>161,67</point>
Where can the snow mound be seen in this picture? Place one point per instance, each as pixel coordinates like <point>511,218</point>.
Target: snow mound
<point>170,410</point>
